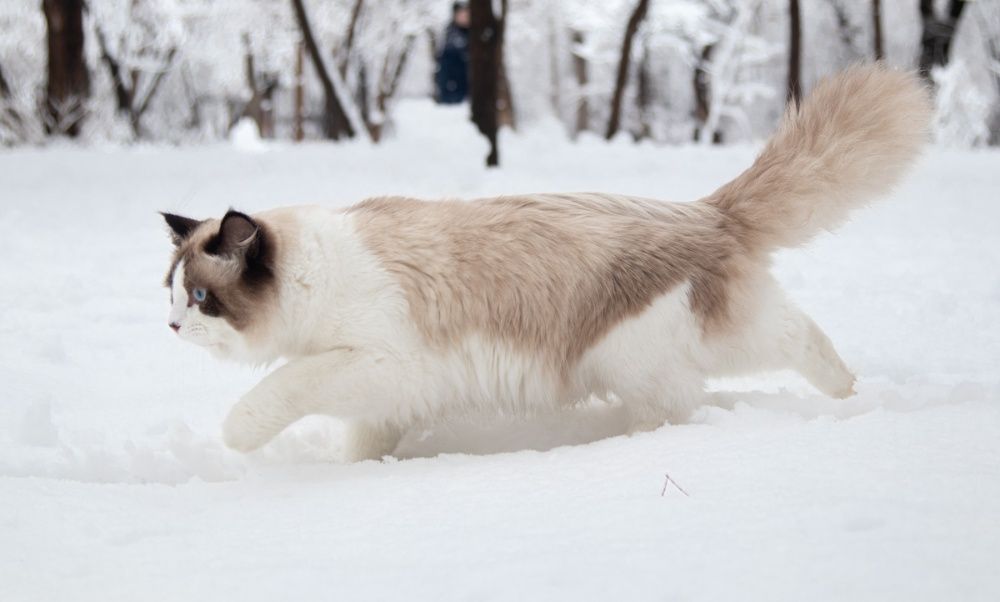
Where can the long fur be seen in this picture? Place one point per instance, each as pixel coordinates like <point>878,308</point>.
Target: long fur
<point>397,312</point>
<point>846,145</point>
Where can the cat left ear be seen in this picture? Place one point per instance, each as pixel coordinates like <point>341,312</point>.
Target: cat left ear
<point>180,227</point>
<point>239,235</point>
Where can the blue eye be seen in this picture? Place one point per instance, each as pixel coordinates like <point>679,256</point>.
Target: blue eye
<point>199,294</point>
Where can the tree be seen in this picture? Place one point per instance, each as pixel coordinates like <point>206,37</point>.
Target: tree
<point>794,88</point>
<point>635,19</point>
<point>582,82</point>
<point>938,33</point>
<point>702,95</point>
<point>68,84</point>
<point>877,30</point>
<point>486,30</point>
<point>848,32</point>
<point>335,121</point>
<point>262,85</point>
<point>12,126</point>
<point>388,83</point>
<point>720,92</point>
<point>135,86</point>
<point>989,20</point>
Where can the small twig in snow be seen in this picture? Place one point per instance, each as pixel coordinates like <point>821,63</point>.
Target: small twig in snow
<point>667,482</point>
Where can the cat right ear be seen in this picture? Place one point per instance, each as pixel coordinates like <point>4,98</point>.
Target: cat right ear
<point>180,227</point>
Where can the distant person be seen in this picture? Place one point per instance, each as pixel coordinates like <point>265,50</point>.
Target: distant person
<point>453,59</point>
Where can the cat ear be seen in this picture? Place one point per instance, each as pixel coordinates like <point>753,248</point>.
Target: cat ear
<point>239,236</point>
<point>180,227</point>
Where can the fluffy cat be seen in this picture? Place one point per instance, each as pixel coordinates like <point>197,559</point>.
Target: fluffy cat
<point>397,311</point>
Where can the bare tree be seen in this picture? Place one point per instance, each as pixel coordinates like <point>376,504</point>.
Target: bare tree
<point>485,58</point>
<point>847,30</point>
<point>877,30</point>
<point>298,132</point>
<point>68,84</point>
<point>644,94</point>
<point>634,20</point>
<point>703,94</point>
<point>580,72</point>
<point>348,46</point>
<point>993,53</point>
<point>260,107</point>
<point>388,84</point>
<point>335,120</point>
<point>11,120</point>
<point>794,90</point>
<point>717,73</point>
<point>128,85</point>
<point>938,33</point>
<point>4,86</point>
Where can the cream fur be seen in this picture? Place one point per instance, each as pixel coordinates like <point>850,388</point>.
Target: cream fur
<point>398,312</point>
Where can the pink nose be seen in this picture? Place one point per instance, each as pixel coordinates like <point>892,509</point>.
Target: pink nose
<point>175,326</point>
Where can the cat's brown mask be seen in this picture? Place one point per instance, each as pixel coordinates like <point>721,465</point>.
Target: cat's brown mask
<point>223,269</point>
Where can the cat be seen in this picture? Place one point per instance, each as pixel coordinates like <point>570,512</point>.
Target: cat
<point>397,312</point>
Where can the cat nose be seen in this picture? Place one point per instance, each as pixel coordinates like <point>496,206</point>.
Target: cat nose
<point>175,326</point>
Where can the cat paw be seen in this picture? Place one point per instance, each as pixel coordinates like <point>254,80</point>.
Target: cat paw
<point>241,433</point>
<point>368,442</point>
<point>846,389</point>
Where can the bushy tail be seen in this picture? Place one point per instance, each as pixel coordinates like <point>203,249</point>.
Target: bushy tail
<point>848,143</point>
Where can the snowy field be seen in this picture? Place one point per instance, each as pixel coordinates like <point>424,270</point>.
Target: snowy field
<point>114,484</point>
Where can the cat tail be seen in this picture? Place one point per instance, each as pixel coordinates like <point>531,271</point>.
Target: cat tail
<point>848,143</point>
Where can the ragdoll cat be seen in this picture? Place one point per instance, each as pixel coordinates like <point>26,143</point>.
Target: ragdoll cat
<point>397,312</point>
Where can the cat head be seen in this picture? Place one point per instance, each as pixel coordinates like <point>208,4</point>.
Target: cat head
<point>222,282</point>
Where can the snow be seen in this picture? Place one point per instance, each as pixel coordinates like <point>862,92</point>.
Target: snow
<point>114,484</point>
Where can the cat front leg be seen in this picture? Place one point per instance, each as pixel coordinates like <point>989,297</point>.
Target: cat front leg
<point>258,417</point>
<point>371,441</point>
<point>346,382</point>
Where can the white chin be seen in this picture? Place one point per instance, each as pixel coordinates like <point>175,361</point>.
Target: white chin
<point>218,350</point>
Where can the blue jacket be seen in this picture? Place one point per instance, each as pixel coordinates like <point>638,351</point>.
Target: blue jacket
<point>453,66</point>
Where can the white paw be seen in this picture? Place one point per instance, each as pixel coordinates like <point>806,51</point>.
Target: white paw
<point>242,432</point>
<point>365,442</point>
<point>846,388</point>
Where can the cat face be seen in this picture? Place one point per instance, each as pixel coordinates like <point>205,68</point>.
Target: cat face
<point>221,282</point>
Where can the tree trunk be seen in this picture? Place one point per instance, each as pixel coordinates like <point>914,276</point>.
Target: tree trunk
<point>140,109</point>
<point>10,118</point>
<point>335,122</point>
<point>298,133</point>
<point>794,91</point>
<point>348,47</point>
<point>123,95</point>
<point>126,102</point>
<point>485,52</point>
<point>614,119</point>
<point>702,94</point>
<point>388,84</point>
<point>993,49</point>
<point>4,86</point>
<point>580,71</point>
<point>644,94</point>
<point>260,107</point>
<point>877,29</point>
<point>68,83</point>
<point>937,36</point>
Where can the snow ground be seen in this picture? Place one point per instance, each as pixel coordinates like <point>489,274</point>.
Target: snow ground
<point>114,484</point>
